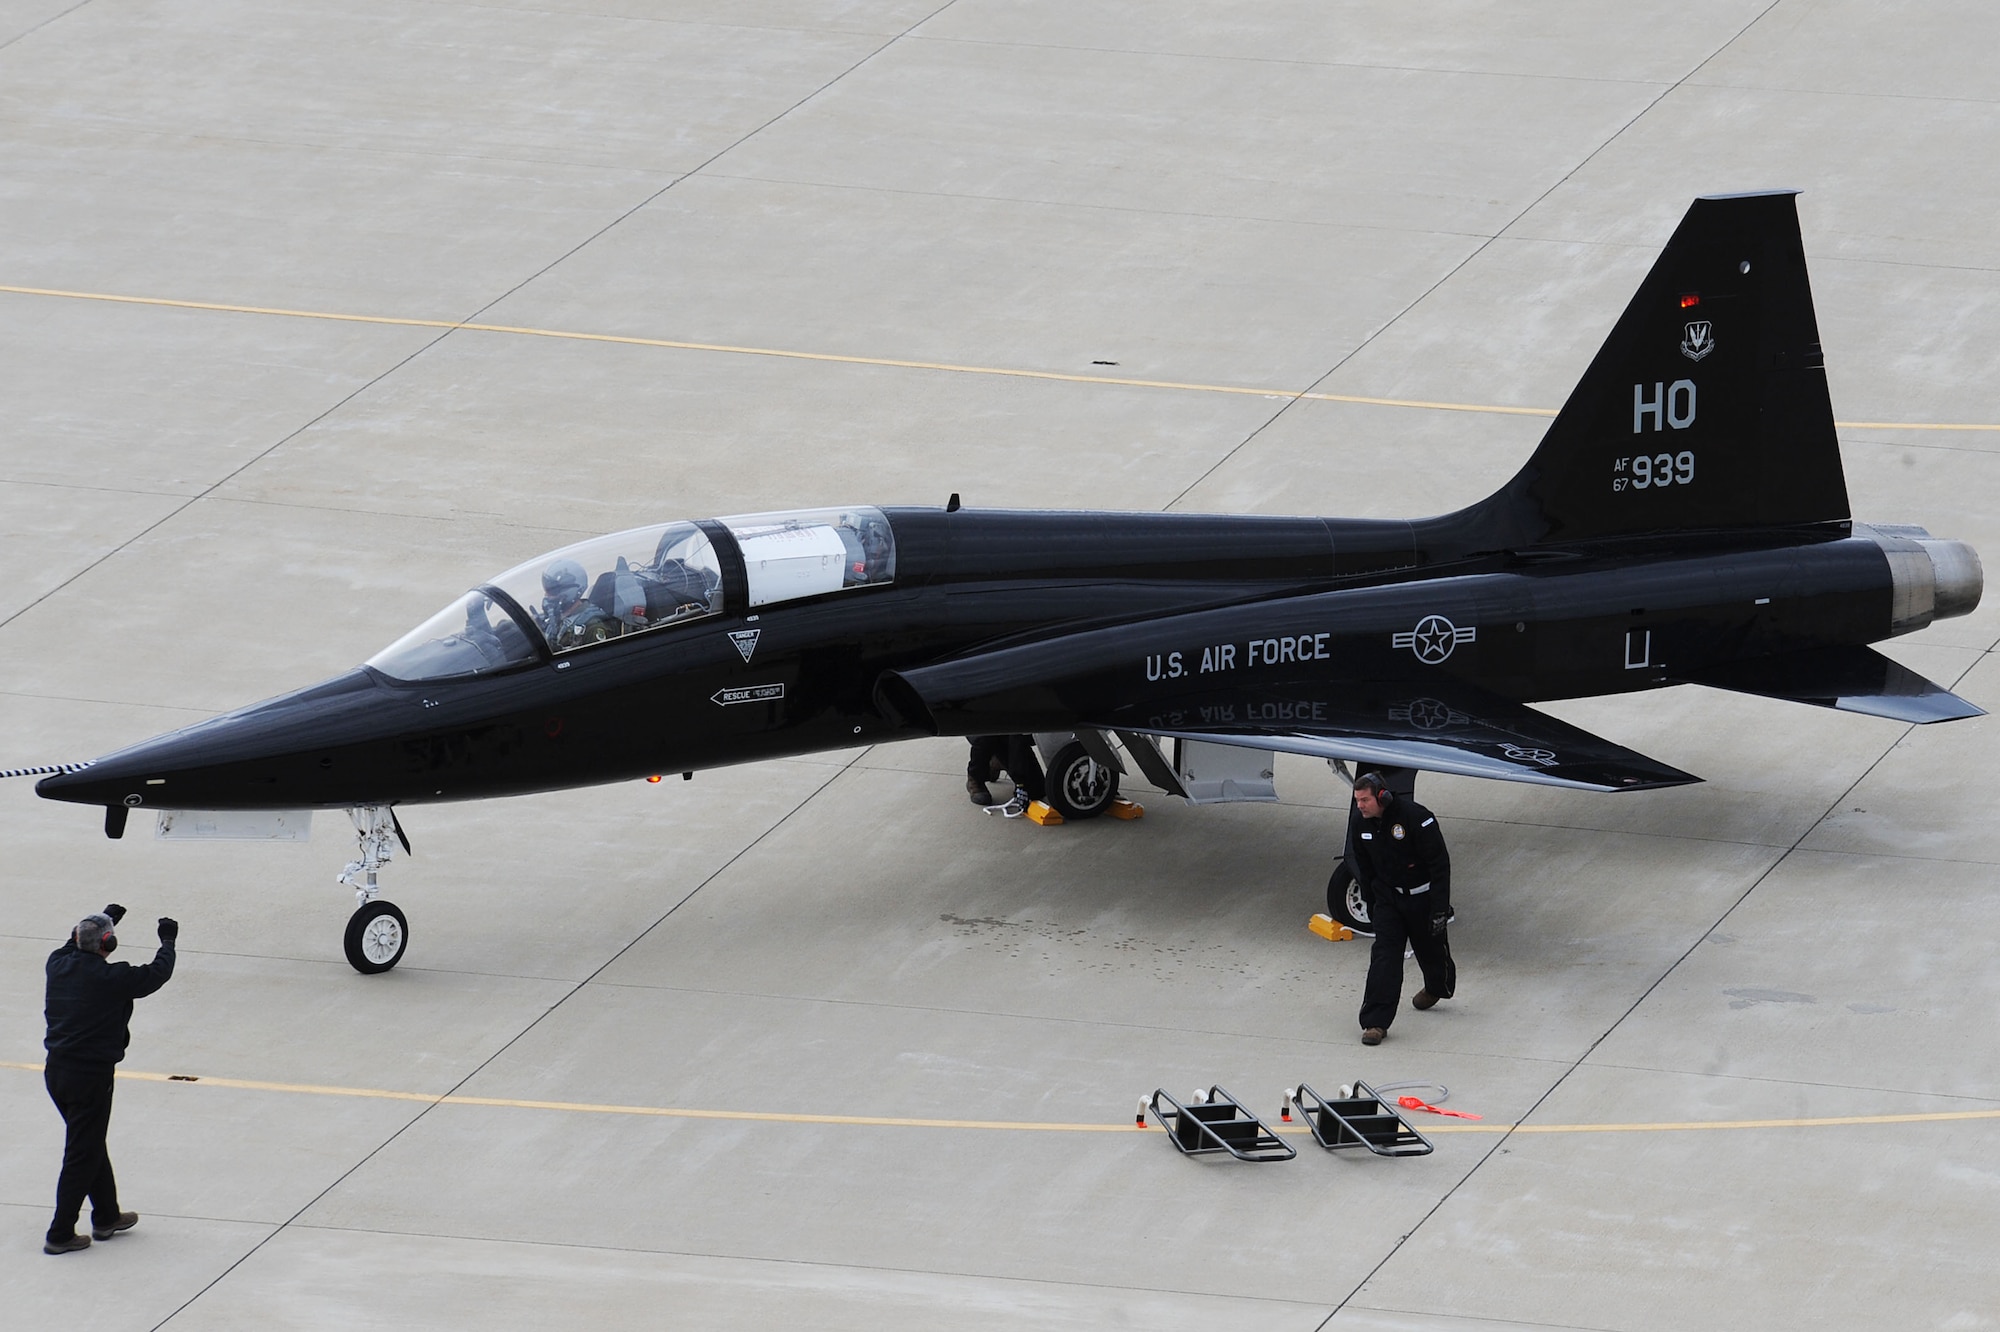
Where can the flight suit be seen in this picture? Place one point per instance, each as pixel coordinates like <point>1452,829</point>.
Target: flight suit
<point>582,623</point>
<point>1401,861</point>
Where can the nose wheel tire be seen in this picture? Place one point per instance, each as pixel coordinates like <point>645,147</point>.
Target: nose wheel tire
<point>377,934</point>
<point>1079,786</point>
<point>1345,901</point>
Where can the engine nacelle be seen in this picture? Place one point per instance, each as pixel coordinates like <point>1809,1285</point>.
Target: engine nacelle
<point>1931,578</point>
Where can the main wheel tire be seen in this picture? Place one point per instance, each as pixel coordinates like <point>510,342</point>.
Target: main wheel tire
<point>1079,786</point>
<point>377,934</point>
<point>1345,901</point>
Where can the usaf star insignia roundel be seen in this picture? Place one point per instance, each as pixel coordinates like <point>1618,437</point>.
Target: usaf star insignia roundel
<point>1433,639</point>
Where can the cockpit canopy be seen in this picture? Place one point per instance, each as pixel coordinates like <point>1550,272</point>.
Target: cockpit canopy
<point>637,581</point>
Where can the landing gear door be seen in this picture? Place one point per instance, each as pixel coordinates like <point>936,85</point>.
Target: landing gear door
<point>1213,774</point>
<point>234,825</point>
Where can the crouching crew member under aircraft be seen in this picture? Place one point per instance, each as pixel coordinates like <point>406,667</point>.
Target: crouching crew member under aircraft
<point>89,1010</point>
<point>1402,864</point>
<point>1013,754</point>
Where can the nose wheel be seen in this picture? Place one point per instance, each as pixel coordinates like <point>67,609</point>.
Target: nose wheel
<point>377,934</point>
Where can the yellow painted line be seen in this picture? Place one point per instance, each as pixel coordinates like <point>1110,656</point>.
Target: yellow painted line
<point>1699,1125</point>
<point>584,1107</point>
<point>1912,425</point>
<point>675,344</point>
<point>455,325</point>
<point>1018,1126</point>
<point>1487,407</point>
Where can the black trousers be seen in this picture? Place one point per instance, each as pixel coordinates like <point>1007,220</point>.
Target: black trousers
<point>1017,756</point>
<point>84,1097</point>
<point>1419,921</point>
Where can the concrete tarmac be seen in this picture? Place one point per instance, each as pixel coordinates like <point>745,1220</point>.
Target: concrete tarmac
<point>658,1053</point>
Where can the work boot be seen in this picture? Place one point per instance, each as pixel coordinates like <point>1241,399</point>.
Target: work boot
<point>125,1221</point>
<point>1423,999</point>
<point>1372,1035</point>
<point>70,1245</point>
<point>976,792</point>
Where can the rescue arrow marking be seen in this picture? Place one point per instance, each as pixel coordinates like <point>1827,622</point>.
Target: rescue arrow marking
<point>748,694</point>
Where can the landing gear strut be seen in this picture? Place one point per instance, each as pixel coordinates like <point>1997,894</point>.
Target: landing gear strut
<point>377,933</point>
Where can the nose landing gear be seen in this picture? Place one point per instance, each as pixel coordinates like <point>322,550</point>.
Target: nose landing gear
<point>377,932</point>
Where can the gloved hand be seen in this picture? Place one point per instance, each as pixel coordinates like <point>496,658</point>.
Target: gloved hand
<point>116,912</point>
<point>170,929</point>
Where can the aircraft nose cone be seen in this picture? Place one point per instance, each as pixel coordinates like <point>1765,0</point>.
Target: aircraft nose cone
<point>65,785</point>
<point>223,762</point>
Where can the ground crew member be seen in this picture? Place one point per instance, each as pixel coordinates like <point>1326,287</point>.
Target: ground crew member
<point>1403,867</point>
<point>1015,754</point>
<point>89,1010</point>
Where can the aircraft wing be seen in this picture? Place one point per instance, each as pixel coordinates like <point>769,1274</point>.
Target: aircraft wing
<point>1439,726</point>
<point>1852,679</point>
<point>1437,722</point>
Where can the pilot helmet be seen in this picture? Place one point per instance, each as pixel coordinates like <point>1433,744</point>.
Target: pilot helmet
<point>562,584</point>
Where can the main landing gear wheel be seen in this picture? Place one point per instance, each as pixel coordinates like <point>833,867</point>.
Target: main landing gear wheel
<point>377,934</point>
<point>1079,786</point>
<point>1345,901</point>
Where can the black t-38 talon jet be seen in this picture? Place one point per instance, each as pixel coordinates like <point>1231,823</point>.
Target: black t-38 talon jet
<point>1684,520</point>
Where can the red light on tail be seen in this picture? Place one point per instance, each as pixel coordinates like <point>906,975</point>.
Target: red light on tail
<point>1690,300</point>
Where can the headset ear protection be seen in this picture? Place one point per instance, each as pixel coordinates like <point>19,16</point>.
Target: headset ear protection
<point>106,941</point>
<point>1373,783</point>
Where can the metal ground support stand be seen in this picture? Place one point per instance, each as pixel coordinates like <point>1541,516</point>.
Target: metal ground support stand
<point>1218,1124</point>
<point>1361,1120</point>
<point>377,932</point>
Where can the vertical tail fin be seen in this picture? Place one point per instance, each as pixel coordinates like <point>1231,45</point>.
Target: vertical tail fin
<point>1707,406</point>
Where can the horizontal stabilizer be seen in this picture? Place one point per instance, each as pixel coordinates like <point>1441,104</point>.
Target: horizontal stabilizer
<point>1440,726</point>
<point>1852,679</point>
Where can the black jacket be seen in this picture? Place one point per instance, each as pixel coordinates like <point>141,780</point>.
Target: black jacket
<point>1402,849</point>
<point>90,1004</point>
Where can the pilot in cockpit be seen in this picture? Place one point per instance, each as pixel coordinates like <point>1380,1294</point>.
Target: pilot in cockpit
<point>875,546</point>
<point>868,547</point>
<point>567,616</point>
